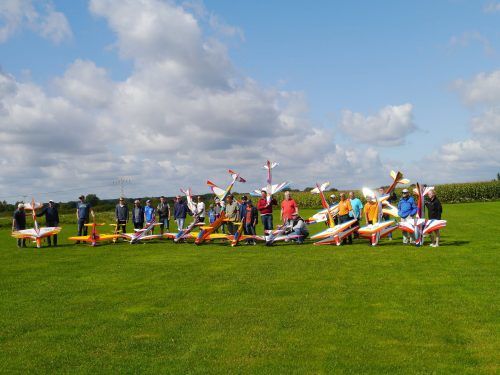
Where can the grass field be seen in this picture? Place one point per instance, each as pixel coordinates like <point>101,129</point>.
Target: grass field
<point>160,307</point>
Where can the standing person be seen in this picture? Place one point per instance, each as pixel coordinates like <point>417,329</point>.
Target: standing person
<point>266,210</point>
<point>121,215</point>
<point>406,210</point>
<point>217,210</point>
<point>371,210</point>
<point>83,212</point>
<point>333,198</point>
<point>149,214</point>
<point>211,214</point>
<point>345,210</point>
<point>138,215</point>
<point>434,211</point>
<point>251,220</point>
<point>163,210</point>
<point>180,212</point>
<point>288,208</point>
<point>299,228</point>
<point>51,219</point>
<point>232,213</point>
<point>200,207</point>
<point>19,223</point>
<point>243,207</point>
<point>385,217</point>
<point>357,210</point>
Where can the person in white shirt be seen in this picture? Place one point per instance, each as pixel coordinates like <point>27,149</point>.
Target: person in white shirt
<point>200,206</point>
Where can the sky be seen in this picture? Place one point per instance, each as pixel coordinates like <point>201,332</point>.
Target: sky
<point>169,94</point>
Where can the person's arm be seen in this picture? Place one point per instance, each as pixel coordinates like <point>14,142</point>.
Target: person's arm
<point>281,214</point>
<point>13,224</point>
<point>296,208</point>
<point>168,211</point>
<point>57,217</point>
<point>77,215</point>
<point>92,213</point>
<point>116,212</point>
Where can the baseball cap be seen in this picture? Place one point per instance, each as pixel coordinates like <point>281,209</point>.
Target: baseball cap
<point>148,201</point>
<point>333,196</point>
<point>405,191</point>
<point>137,201</point>
<point>20,205</point>
<point>81,197</point>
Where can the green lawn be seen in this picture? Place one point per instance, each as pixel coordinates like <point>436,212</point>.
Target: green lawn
<point>160,307</point>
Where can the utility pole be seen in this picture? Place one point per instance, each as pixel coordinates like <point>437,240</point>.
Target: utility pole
<point>122,181</point>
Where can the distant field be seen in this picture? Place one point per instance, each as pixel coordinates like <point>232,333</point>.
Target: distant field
<point>161,307</point>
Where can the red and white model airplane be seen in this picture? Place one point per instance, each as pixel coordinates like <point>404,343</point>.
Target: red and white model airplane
<point>221,193</point>
<point>36,233</point>
<point>380,228</point>
<point>420,226</point>
<point>334,234</point>
<point>143,234</point>
<point>270,189</point>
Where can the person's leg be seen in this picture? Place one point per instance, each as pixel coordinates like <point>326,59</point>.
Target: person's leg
<point>85,228</point>
<point>49,242</point>
<point>437,238</point>
<point>55,239</point>
<point>19,242</point>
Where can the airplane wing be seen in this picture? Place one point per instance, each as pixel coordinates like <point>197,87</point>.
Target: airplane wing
<point>278,187</point>
<point>433,225</point>
<point>24,233</point>
<point>216,190</point>
<point>370,229</point>
<point>334,230</point>
<point>322,215</point>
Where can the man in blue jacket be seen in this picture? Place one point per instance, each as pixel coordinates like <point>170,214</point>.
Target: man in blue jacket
<point>407,208</point>
<point>180,212</point>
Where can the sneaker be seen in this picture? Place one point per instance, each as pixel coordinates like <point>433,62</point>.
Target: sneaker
<point>405,240</point>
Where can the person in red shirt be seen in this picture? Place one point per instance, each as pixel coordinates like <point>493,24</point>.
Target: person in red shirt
<point>289,208</point>
<point>266,211</point>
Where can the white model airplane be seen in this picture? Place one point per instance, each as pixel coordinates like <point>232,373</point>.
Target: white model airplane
<point>36,233</point>
<point>334,233</point>
<point>380,228</point>
<point>270,189</point>
<point>420,226</point>
<point>143,234</point>
<point>221,193</point>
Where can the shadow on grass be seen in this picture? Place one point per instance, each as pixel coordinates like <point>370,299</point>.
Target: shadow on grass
<point>453,243</point>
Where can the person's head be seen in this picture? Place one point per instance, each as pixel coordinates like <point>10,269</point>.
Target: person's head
<point>148,202</point>
<point>244,199</point>
<point>81,198</point>
<point>432,193</point>
<point>287,195</point>
<point>51,203</point>
<point>137,202</point>
<point>372,200</point>
<point>121,200</point>
<point>342,196</point>
<point>381,190</point>
<point>20,206</point>
<point>178,198</point>
<point>351,195</point>
<point>162,199</point>
<point>263,194</point>
<point>249,203</point>
<point>333,197</point>
<point>212,205</point>
<point>198,198</point>
<point>217,201</point>
<point>405,193</point>
<point>229,198</point>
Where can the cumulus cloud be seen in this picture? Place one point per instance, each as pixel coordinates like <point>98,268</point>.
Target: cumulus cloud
<point>38,16</point>
<point>484,88</point>
<point>492,7</point>
<point>183,115</point>
<point>389,127</point>
<point>468,38</point>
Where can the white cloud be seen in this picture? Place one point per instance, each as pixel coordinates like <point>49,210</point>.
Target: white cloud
<point>468,38</point>
<point>492,7</point>
<point>39,16</point>
<point>389,127</point>
<point>183,115</point>
<point>484,88</point>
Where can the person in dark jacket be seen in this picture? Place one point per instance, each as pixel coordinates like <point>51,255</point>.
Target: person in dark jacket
<point>138,215</point>
<point>51,219</point>
<point>180,212</point>
<point>121,215</point>
<point>434,211</point>
<point>163,210</point>
<point>19,223</point>
<point>251,219</point>
<point>407,208</point>
<point>83,212</point>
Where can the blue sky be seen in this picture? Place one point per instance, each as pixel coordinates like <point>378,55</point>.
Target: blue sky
<point>334,63</point>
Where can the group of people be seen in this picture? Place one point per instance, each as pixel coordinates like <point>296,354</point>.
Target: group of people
<point>349,207</point>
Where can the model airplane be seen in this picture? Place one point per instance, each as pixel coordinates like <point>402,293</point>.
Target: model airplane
<point>333,232</point>
<point>380,228</point>
<point>240,236</point>
<point>95,237</point>
<point>186,233</point>
<point>387,208</point>
<point>328,212</point>
<point>270,189</point>
<point>143,234</point>
<point>420,226</point>
<point>281,233</point>
<point>221,193</point>
<point>36,233</point>
<point>207,232</point>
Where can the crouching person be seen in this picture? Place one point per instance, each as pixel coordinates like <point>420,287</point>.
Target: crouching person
<point>299,228</point>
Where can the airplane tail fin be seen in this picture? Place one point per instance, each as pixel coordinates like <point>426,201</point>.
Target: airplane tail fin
<point>270,165</point>
<point>320,188</point>
<point>188,191</point>
<point>236,176</point>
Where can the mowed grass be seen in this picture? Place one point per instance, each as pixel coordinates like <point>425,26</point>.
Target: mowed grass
<point>165,308</point>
